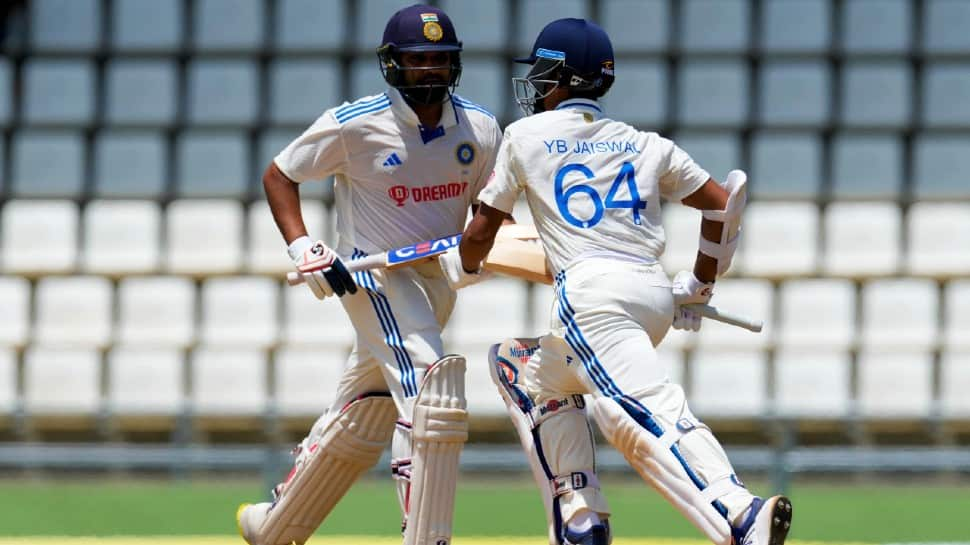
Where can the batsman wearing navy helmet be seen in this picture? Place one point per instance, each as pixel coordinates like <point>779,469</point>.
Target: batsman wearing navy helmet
<point>408,164</point>
<point>594,187</point>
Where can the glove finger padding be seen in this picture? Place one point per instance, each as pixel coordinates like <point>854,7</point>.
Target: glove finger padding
<point>318,284</point>
<point>340,278</point>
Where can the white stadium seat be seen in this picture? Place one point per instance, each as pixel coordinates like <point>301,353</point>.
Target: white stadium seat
<point>780,239</point>
<point>15,318</point>
<point>204,236</point>
<point>895,384</point>
<point>240,311</point>
<point>862,239</point>
<point>956,318</point>
<point>73,311</point>
<point>489,311</point>
<point>728,384</point>
<point>900,313</point>
<point>228,382</point>
<point>267,249</point>
<point>121,237</point>
<point>306,379</point>
<point>145,381</point>
<point>682,226</point>
<point>954,384</point>
<point>939,235</point>
<point>308,321</point>
<point>745,297</point>
<point>38,237</point>
<point>156,311</point>
<point>812,383</point>
<point>61,382</point>
<point>817,313</point>
<point>8,382</point>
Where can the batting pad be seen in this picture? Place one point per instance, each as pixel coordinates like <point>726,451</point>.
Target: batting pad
<point>658,466</point>
<point>440,429</point>
<point>351,444</point>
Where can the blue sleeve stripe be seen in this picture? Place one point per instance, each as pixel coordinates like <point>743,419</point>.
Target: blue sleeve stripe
<point>375,108</point>
<point>467,105</point>
<point>360,104</point>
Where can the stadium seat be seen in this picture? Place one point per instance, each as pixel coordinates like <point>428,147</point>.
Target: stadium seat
<point>131,164</point>
<point>65,26</point>
<point>745,297</point>
<point>954,383</point>
<point>956,318</point>
<point>716,152</point>
<point>936,232</point>
<point>212,164</point>
<point>895,384</point>
<point>698,107</point>
<point>240,312</point>
<point>156,312</point>
<point>794,94</point>
<point>715,26</point>
<point>15,318</point>
<point>785,165</point>
<point>862,239</point>
<point>61,382</point>
<point>47,164</point>
<point>309,25</point>
<point>301,90</point>
<point>222,92</point>
<point>812,383</point>
<point>796,26</point>
<point>728,384</point>
<point>267,249</point>
<point>682,227</point>
<point>900,314</point>
<point>58,92</point>
<point>121,237</point>
<point>877,26</point>
<point>890,108</point>
<point>940,166</point>
<point>483,82</point>
<point>6,92</point>
<point>365,78</point>
<point>489,311</point>
<point>780,239</point>
<point>273,141</point>
<point>219,251</point>
<point>228,382</point>
<point>73,311</point>
<point>371,20</point>
<point>640,97</point>
<point>146,25</point>
<point>533,15</point>
<point>945,88</point>
<point>944,27</point>
<point>309,322</point>
<point>228,25</point>
<point>637,26</point>
<point>817,313</point>
<point>9,397</point>
<point>140,92</point>
<point>38,237</point>
<point>145,382</point>
<point>481,26</point>
<point>306,380</point>
<point>867,166</point>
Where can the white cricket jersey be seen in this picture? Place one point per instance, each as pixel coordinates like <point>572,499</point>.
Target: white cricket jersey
<point>396,183</point>
<point>593,184</point>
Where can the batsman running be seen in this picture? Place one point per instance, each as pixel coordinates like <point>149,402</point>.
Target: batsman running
<point>408,163</point>
<point>594,187</point>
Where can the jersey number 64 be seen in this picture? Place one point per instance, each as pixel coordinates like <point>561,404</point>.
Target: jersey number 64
<point>625,176</point>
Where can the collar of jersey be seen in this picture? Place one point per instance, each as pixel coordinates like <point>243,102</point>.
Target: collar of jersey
<point>582,104</point>
<point>402,111</point>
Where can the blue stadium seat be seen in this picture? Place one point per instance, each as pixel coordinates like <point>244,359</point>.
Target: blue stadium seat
<point>309,25</point>
<point>365,78</point>
<point>147,25</point>
<point>635,26</point>
<point>941,164</point>
<point>222,92</point>
<point>372,16</point>
<point>483,82</point>
<point>6,92</point>
<point>130,164</point>
<point>212,164</point>
<point>533,15</point>
<point>716,152</point>
<point>639,95</point>
<point>867,166</point>
<point>65,25</point>
<point>786,165</point>
<point>946,87</point>
<point>481,26</point>
<point>271,142</point>
<point>715,26</point>
<point>140,92</point>
<point>301,90</point>
<point>890,107</point>
<point>228,25</point>
<point>794,93</point>
<point>47,164</point>
<point>877,26</point>
<point>58,92</point>
<point>795,26</point>
<point>713,93</point>
<point>945,24</point>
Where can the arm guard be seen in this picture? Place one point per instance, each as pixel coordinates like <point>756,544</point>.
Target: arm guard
<point>723,250</point>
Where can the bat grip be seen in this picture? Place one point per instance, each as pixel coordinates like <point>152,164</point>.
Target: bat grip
<point>294,278</point>
<point>713,313</point>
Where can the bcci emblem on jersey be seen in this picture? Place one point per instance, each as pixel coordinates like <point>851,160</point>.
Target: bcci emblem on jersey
<point>465,153</point>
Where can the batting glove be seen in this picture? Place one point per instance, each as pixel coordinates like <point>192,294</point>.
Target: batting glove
<point>688,289</point>
<point>321,269</point>
<point>455,273</point>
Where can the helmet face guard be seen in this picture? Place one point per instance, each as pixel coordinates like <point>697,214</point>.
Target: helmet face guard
<point>540,82</point>
<point>396,74</point>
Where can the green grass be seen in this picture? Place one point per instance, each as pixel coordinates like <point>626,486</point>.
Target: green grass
<point>869,513</point>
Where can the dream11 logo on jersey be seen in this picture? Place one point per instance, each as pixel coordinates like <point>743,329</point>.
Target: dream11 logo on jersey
<point>426,193</point>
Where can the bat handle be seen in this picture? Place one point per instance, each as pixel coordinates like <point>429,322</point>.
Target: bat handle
<point>294,278</point>
<point>713,313</point>
<point>375,261</point>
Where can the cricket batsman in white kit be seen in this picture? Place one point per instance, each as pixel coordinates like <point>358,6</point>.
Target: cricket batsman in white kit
<point>408,163</point>
<point>594,187</point>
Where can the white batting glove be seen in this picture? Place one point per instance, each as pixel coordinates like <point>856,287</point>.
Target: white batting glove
<point>456,275</point>
<point>688,289</point>
<point>321,269</point>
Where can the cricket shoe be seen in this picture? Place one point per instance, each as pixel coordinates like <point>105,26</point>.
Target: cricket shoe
<point>767,522</point>
<point>249,517</point>
<point>598,534</point>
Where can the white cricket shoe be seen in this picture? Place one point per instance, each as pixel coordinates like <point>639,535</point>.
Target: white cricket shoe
<point>767,522</point>
<point>249,517</point>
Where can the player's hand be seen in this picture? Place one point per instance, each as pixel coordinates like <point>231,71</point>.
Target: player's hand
<point>321,269</point>
<point>688,289</point>
<point>455,273</point>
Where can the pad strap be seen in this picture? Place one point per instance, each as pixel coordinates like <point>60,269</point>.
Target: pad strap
<point>720,487</point>
<point>577,480</point>
<point>540,413</point>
